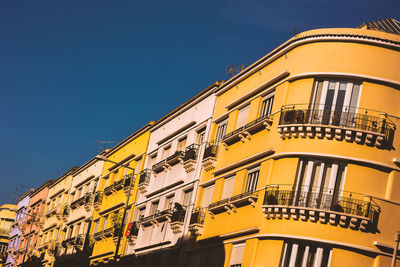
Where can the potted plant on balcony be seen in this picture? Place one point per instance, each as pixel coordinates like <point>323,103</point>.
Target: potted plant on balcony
<point>116,219</point>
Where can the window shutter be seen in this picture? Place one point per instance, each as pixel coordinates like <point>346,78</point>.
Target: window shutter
<point>237,254</point>
<point>242,117</point>
<point>207,196</point>
<point>228,187</point>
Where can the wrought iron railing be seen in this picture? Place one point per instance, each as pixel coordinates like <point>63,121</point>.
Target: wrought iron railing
<point>211,150</point>
<point>178,215</point>
<point>145,176</point>
<point>316,198</point>
<point>197,216</point>
<point>128,180</point>
<point>98,197</point>
<point>134,229</point>
<point>191,152</point>
<point>341,116</point>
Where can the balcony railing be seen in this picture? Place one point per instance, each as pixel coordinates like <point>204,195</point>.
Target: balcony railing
<point>156,218</point>
<point>88,201</point>
<point>196,221</point>
<point>210,156</point>
<point>144,180</point>
<point>344,208</point>
<point>133,232</point>
<point>77,203</point>
<point>98,198</point>
<point>349,123</point>
<point>231,204</point>
<point>109,190</point>
<point>159,166</point>
<point>175,158</point>
<point>190,157</point>
<point>263,122</point>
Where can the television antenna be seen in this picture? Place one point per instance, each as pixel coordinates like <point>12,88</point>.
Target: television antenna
<point>232,70</point>
<point>103,145</point>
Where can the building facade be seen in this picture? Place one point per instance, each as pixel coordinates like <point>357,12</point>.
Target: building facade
<point>116,196</point>
<point>52,224</point>
<point>168,185</point>
<point>28,254</point>
<point>7,217</point>
<point>16,228</point>
<point>72,248</point>
<point>305,143</point>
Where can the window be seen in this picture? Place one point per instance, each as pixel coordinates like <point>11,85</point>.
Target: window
<point>237,255</point>
<point>166,152</point>
<point>252,179</point>
<point>168,202</point>
<point>228,187</point>
<point>266,105</point>
<point>153,207</point>
<point>152,160</point>
<point>323,179</point>
<point>242,117</point>
<point>181,144</point>
<point>207,196</point>
<point>334,101</point>
<point>77,229</point>
<point>140,213</point>
<point>187,197</point>
<point>96,226</point>
<point>201,136</point>
<point>138,165</point>
<point>307,255</point>
<point>105,222</point>
<point>221,130</point>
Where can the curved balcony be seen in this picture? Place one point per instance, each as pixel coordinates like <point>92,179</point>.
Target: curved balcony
<point>343,208</point>
<point>342,123</point>
<point>190,157</point>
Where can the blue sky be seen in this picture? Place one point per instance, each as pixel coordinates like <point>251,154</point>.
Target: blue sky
<point>72,72</point>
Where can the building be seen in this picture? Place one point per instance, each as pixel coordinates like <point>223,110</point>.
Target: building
<point>7,217</point>
<point>73,248</point>
<point>52,226</point>
<point>27,254</point>
<point>168,185</point>
<point>116,195</point>
<point>303,163</point>
<point>16,228</point>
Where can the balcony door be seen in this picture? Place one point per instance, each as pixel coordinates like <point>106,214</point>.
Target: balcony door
<point>335,102</point>
<point>319,183</point>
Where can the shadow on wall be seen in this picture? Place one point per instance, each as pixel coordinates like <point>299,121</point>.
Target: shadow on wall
<point>186,254</point>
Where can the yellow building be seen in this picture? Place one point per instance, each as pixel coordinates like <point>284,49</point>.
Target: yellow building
<point>52,224</point>
<point>7,216</point>
<point>110,218</point>
<point>303,166</point>
<point>74,248</point>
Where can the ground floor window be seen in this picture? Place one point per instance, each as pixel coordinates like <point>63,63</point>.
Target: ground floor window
<point>298,254</point>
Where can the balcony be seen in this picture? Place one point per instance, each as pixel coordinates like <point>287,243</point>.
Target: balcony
<point>190,157</point>
<point>257,125</point>
<point>88,202</point>
<point>50,212</point>
<point>109,190</point>
<point>233,137</point>
<point>98,198</point>
<point>133,232</point>
<point>160,166</point>
<point>177,219</point>
<point>231,204</point>
<point>59,212</point>
<point>66,213</point>
<point>58,251</point>
<point>210,156</point>
<point>144,180</point>
<point>346,209</point>
<point>104,234</point>
<point>156,218</point>
<point>176,158</point>
<point>128,181</point>
<point>363,127</point>
<point>78,203</point>
<point>118,185</point>
<point>196,222</point>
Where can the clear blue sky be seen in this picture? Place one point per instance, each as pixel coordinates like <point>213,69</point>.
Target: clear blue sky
<point>72,72</point>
